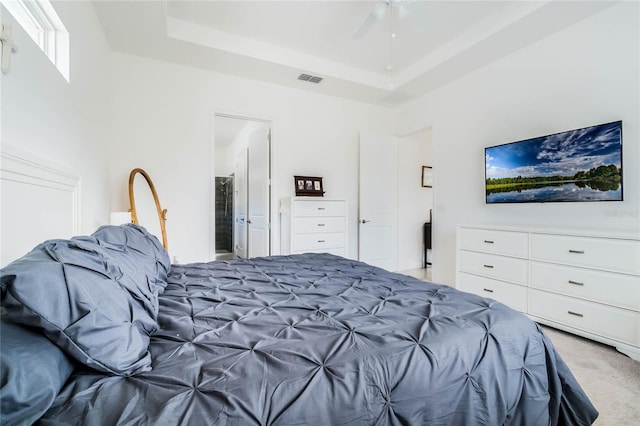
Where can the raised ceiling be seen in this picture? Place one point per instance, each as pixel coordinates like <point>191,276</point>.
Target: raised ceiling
<point>433,42</point>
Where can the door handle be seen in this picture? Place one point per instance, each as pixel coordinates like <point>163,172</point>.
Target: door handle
<point>365,221</point>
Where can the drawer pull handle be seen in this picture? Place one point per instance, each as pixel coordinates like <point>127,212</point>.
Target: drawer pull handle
<point>576,251</point>
<point>575,314</point>
<point>321,208</point>
<point>488,241</point>
<point>321,224</point>
<point>488,266</point>
<point>576,283</point>
<point>321,241</point>
<point>488,290</point>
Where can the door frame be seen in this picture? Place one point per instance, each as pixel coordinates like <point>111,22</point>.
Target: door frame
<point>399,140</point>
<point>405,133</point>
<point>412,216</point>
<point>212,174</point>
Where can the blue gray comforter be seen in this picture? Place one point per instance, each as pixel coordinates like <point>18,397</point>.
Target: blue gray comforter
<point>317,339</point>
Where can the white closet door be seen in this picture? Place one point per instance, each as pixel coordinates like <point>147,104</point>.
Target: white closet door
<point>378,215</point>
<point>259,193</point>
<point>240,206</point>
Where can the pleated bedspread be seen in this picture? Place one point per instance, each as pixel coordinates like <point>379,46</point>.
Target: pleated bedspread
<point>316,339</point>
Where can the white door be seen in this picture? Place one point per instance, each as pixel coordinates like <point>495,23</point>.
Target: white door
<point>259,192</point>
<point>240,206</point>
<point>378,215</point>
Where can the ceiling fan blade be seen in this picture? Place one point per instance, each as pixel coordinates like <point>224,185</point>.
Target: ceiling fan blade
<point>418,14</point>
<point>376,14</point>
<point>402,10</point>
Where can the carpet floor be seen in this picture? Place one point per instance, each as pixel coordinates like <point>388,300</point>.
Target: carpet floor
<point>609,378</point>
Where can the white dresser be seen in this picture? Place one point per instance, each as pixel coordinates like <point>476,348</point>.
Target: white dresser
<point>312,224</point>
<point>584,283</point>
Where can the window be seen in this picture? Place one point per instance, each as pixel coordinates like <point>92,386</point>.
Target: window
<point>40,20</point>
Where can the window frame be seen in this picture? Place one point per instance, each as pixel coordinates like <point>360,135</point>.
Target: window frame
<point>40,21</point>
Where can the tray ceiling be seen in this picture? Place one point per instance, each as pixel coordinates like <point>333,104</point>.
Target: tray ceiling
<point>415,47</point>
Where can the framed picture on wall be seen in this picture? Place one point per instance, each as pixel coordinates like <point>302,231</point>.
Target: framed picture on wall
<point>427,177</point>
<point>308,186</point>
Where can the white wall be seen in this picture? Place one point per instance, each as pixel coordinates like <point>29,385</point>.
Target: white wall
<point>60,122</point>
<point>163,116</point>
<point>414,201</point>
<point>159,116</point>
<point>226,157</point>
<point>224,164</point>
<point>586,74</point>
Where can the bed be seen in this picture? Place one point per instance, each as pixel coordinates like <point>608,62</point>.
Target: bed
<point>101,329</point>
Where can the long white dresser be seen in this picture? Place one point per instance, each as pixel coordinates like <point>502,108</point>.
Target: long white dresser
<point>581,282</point>
<point>312,224</point>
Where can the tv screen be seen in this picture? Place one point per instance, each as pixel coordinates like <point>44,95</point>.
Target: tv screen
<point>578,165</point>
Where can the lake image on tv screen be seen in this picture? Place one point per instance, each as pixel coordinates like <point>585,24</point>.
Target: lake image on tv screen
<point>578,165</point>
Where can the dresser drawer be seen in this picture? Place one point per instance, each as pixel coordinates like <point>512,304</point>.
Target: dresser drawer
<point>497,242</point>
<point>605,287</point>
<point>512,295</point>
<point>596,253</point>
<point>311,225</point>
<point>488,265</point>
<point>615,323</point>
<point>306,242</point>
<point>319,208</point>
<point>340,251</point>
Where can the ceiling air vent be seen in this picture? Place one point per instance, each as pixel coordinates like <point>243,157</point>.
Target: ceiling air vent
<point>310,78</point>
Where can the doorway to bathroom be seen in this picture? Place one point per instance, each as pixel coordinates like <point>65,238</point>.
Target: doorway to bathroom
<point>224,215</point>
<point>242,190</point>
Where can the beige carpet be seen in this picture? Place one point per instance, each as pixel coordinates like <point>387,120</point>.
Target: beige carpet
<point>609,378</point>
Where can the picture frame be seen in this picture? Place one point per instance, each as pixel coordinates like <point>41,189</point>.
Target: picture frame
<point>308,186</point>
<point>427,177</point>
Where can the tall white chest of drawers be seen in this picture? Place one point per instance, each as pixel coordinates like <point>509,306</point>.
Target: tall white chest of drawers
<point>583,283</point>
<point>313,225</point>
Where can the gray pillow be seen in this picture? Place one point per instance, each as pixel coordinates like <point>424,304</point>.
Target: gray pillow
<point>32,372</point>
<point>91,296</point>
<point>141,256</point>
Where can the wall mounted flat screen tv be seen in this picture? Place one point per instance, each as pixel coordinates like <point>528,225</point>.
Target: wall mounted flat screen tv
<point>577,165</point>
